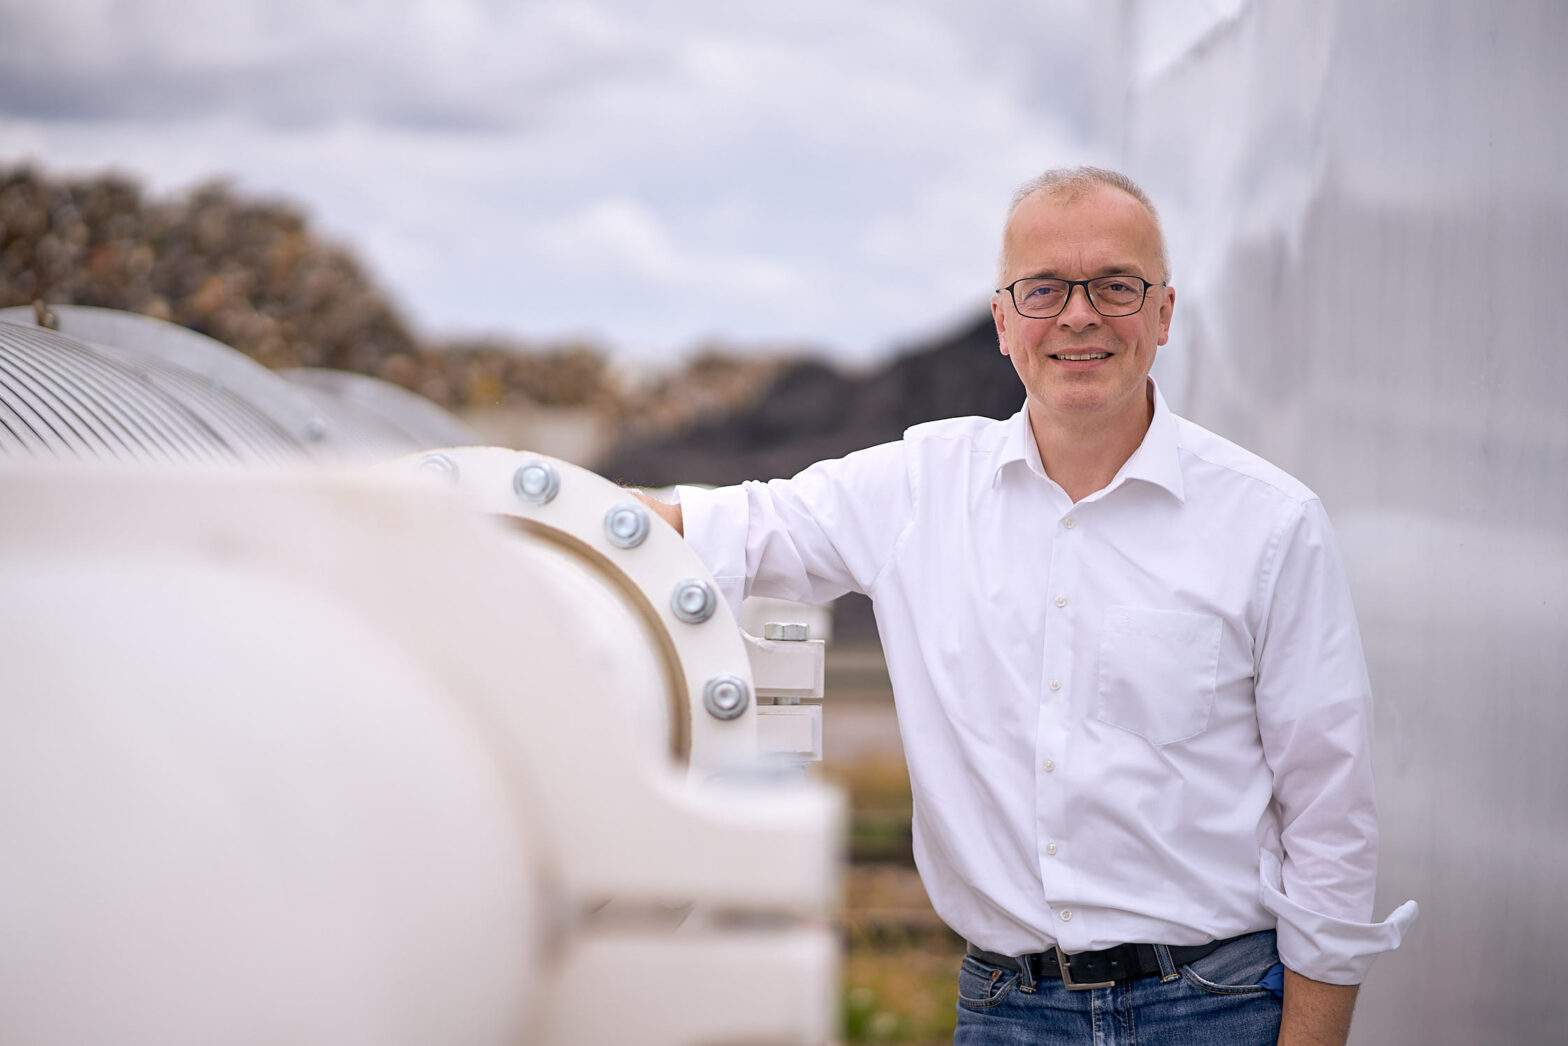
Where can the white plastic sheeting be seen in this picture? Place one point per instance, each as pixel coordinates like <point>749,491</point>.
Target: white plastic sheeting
<point>1369,231</point>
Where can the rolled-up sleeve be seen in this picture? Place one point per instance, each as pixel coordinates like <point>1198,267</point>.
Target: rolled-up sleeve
<point>1315,717</point>
<point>831,529</point>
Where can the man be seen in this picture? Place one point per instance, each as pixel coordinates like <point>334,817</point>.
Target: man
<point>1127,672</point>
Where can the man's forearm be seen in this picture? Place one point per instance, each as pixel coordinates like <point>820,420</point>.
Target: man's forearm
<point>1315,1013</point>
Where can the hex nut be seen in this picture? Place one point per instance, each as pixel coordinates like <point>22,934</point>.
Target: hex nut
<point>536,482</point>
<point>626,525</point>
<point>694,601</point>
<point>726,697</point>
<point>787,631</point>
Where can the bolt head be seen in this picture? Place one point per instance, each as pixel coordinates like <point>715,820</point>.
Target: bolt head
<point>439,465</point>
<point>694,601</point>
<point>726,697</point>
<point>536,482</point>
<point>626,525</point>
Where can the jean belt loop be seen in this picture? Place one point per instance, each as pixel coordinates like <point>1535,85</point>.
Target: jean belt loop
<point>1167,966</point>
<point>1026,974</point>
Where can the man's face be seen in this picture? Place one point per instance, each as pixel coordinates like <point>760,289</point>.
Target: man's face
<point>1099,233</point>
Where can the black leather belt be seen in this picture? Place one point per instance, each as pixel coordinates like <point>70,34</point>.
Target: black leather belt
<point>1100,969</point>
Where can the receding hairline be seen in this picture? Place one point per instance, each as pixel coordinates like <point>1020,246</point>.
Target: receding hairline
<point>1072,183</point>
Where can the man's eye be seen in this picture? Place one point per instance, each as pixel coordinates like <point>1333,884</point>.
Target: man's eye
<point>1119,287</point>
<point>1042,293</point>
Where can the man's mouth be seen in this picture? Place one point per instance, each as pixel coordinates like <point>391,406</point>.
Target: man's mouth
<point>1075,356</point>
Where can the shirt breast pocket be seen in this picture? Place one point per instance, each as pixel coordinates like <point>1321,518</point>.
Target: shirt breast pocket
<point>1157,672</point>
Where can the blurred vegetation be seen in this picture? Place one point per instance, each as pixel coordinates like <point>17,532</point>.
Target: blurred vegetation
<point>900,960</point>
<point>881,808</point>
<point>253,274</point>
<point>903,995</point>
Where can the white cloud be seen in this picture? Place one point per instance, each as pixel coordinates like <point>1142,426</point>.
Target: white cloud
<point>829,173</point>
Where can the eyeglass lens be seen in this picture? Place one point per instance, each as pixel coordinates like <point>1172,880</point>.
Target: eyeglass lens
<point>1110,295</point>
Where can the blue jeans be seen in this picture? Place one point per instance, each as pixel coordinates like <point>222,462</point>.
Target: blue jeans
<point>1217,999</point>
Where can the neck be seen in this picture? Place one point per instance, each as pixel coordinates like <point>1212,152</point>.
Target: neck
<point>1083,453</point>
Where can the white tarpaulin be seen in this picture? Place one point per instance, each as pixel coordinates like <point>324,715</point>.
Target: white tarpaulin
<point>1369,229</point>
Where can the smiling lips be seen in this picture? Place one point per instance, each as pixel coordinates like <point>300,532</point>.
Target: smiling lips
<point>1079,357</point>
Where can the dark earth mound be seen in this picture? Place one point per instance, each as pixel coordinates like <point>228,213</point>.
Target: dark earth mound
<point>812,411</point>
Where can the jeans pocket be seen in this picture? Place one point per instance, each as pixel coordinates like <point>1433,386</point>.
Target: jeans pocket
<point>1192,978</point>
<point>981,985</point>
<point>1157,672</point>
<point>1239,968</point>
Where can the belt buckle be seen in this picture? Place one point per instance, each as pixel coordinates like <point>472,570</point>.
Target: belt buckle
<point>1067,976</point>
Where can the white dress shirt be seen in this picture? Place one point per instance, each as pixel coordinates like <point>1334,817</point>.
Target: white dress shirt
<point>1141,717</point>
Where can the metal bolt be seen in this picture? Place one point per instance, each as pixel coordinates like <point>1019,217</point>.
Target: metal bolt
<point>537,482</point>
<point>726,697</point>
<point>440,465</point>
<point>626,525</point>
<point>786,631</point>
<point>694,601</point>
<point>315,430</point>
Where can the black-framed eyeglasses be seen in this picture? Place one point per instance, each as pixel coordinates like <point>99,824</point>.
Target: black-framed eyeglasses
<point>1041,297</point>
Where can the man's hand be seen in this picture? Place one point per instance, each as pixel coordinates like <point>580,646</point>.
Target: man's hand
<point>671,514</point>
<point>1315,1013</point>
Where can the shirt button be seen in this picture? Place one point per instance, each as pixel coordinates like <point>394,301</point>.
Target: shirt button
<point>1056,684</point>
<point>1069,522</point>
<point>1067,915</point>
<point>1061,601</point>
<point>1050,848</point>
<point>1048,766</point>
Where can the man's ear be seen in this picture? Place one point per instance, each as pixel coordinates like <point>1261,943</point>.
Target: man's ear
<point>999,317</point>
<point>1167,309</point>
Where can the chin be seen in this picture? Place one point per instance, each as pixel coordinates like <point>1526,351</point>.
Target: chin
<point>1074,401</point>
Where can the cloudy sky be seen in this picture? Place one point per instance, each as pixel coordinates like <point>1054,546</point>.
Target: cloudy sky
<point>648,174</point>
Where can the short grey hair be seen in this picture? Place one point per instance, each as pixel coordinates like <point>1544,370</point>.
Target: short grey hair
<point>1071,183</point>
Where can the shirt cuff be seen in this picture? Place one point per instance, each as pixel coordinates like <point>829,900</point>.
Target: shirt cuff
<point>1323,947</point>
<point>715,524</point>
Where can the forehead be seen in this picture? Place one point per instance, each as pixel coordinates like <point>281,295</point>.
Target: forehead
<point>1081,236</point>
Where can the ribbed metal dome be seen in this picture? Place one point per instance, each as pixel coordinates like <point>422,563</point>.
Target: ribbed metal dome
<point>100,383</point>
<point>65,398</point>
<point>378,416</point>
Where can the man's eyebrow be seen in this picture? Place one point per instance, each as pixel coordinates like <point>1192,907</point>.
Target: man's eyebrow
<point>1120,269</point>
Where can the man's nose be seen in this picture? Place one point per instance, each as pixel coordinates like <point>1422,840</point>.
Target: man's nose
<point>1078,313</point>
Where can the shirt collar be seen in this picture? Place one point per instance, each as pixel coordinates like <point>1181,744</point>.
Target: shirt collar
<point>1157,459</point>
